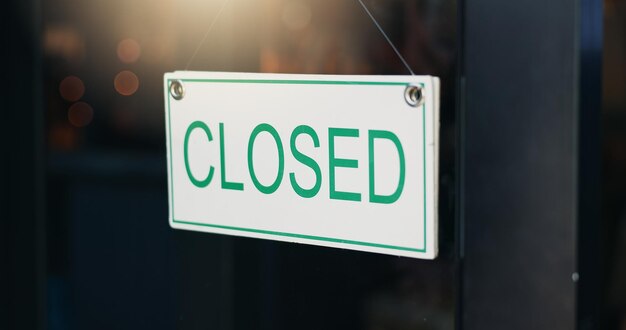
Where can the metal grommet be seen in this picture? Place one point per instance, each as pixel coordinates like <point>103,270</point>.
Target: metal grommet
<point>413,95</point>
<point>177,90</point>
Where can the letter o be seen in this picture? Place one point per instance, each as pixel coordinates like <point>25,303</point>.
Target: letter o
<point>281,158</point>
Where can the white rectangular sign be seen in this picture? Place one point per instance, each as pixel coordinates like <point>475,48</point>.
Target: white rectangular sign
<point>339,161</point>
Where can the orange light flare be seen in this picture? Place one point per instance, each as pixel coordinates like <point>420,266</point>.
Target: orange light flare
<point>128,51</point>
<point>126,83</point>
<point>63,137</point>
<point>65,42</point>
<point>71,88</point>
<point>80,114</point>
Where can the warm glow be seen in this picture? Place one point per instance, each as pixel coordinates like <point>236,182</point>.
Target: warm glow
<point>296,15</point>
<point>62,137</point>
<point>80,114</point>
<point>65,42</point>
<point>128,50</point>
<point>126,83</point>
<point>71,88</point>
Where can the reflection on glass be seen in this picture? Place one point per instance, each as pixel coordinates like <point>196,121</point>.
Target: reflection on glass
<point>126,83</point>
<point>80,114</point>
<point>111,220</point>
<point>71,88</point>
<point>128,50</point>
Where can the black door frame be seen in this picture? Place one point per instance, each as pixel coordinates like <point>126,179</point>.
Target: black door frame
<point>529,164</point>
<point>22,227</point>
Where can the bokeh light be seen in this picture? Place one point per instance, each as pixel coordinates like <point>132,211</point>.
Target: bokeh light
<point>71,88</point>
<point>64,42</point>
<point>63,137</point>
<point>126,83</point>
<point>128,50</point>
<point>80,114</point>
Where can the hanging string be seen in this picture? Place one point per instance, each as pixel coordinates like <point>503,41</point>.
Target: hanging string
<point>207,33</point>
<point>360,2</point>
<point>386,37</point>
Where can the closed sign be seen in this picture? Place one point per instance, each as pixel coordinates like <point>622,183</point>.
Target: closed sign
<point>339,161</point>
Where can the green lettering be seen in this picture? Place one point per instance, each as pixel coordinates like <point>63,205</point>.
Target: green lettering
<point>340,162</point>
<point>281,158</point>
<point>374,198</point>
<point>207,131</point>
<point>306,160</point>
<point>226,184</point>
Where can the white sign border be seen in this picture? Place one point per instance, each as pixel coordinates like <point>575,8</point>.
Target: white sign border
<point>422,253</point>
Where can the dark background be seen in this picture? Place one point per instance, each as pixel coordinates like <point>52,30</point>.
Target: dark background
<point>84,236</point>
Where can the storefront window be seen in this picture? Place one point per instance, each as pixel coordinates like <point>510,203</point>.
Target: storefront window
<point>113,261</point>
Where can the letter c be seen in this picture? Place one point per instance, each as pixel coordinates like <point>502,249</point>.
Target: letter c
<point>205,128</point>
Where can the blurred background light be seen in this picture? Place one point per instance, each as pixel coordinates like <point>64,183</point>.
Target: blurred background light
<point>71,88</point>
<point>80,114</point>
<point>64,42</point>
<point>296,14</point>
<point>128,51</point>
<point>126,83</point>
<point>63,137</point>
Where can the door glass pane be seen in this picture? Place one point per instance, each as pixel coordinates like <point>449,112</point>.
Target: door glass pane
<point>113,261</point>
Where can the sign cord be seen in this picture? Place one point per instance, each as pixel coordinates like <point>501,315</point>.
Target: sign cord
<point>206,34</point>
<point>386,37</point>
